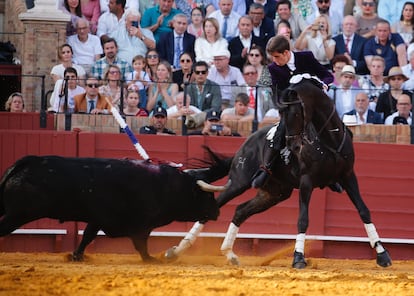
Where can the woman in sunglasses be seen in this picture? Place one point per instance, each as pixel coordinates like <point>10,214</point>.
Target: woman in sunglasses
<point>112,86</point>
<point>257,58</point>
<point>183,75</point>
<point>152,61</point>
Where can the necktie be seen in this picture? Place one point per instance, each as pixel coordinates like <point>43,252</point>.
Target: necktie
<point>251,98</point>
<point>91,105</point>
<point>224,30</point>
<point>347,45</point>
<point>177,52</point>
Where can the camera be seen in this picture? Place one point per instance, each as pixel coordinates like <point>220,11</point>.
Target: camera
<point>216,127</point>
<point>321,26</point>
<point>134,24</point>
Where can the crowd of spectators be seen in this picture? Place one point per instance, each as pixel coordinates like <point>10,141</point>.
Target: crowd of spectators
<point>144,54</point>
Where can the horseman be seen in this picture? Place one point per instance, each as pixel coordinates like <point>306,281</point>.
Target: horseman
<point>285,65</point>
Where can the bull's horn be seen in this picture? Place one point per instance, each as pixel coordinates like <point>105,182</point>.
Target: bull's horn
<point>212,188</point>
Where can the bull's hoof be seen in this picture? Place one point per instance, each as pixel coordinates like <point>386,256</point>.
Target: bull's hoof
<point>77,257</point>
<point>170,254</point>
<point>298,261</point>
<point>384,259</point>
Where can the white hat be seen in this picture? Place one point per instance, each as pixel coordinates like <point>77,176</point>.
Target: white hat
<point>222,53</point>
<point>348,69</point>
<point>350,120</point>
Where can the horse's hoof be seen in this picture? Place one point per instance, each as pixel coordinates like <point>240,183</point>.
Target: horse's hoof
<point>150,260</point>
<point>298,261</point>
<point>77,257</point>
<point>234,261</point>
<point>170,254</point>
<point>384,259</point>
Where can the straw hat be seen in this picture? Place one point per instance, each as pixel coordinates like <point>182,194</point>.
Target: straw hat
<point>395,71</point>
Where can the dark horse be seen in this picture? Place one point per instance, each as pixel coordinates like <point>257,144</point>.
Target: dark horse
<point>286,176</point>
<point>324,150</point>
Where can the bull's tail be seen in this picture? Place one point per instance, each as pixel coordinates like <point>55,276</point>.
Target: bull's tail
<point>220,168</point>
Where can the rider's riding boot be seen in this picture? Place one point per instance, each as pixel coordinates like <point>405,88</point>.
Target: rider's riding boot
<point>270,154</point>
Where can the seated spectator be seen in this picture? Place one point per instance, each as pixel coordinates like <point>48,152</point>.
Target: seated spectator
<point>112,85</point>
<point>91,10</point>
<point>404,26</point>
<point>368,19</point>
<point>158,19</point>
<point>179,109</point>
<point>132,40</point>
<point>318,39</point>
<point>227,17</point>
<point>139,78</point>
<point>172,44</point>
<point>210,43</point>
<point>408,69</point>
<point>403,114</point>
<point>158,120</point>
<point>152,60</point>
<point>351,44</point>
<point>110,48</point>
<point>226,76</point>
<point>112,18</point>
<point>195,27</point>
<point>257,59</point>
<point>387,101</point>
<point>184,74</point>
<point>362,113</point>
<point>57,99</point>
<point>326,7</point>
<point>162,91</point>
<point>86,47</point>
<point>240,45</point>
<point>91,102</point>
<point>65,54</point>
<point>15,103</point>
<point>263,26</point>
<point>241,110</point>
<point>283,28</point>
<point>388,45</point>
<point>269,7</point>
<point>205,94</point>
<point>265,106</point>
<point>284,12</point>
<point>373,83</point>
<point>214,126</point>
<point>338,63</point>
<point>344,95</point>
<point>132,102</point>
<point>73,8</point>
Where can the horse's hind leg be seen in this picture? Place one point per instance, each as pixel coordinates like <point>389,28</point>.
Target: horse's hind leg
<point>258,204</point>
<point>352,188</point>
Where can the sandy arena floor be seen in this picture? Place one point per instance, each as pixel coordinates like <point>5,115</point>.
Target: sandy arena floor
<point>36,274</point>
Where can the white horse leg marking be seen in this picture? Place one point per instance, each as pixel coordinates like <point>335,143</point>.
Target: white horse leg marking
<point>189,238</point>
<point>373,237</point>
<point>300,243</point>
<point>228,242</point>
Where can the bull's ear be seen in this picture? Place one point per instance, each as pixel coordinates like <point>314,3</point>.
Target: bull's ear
<point>212,188</point>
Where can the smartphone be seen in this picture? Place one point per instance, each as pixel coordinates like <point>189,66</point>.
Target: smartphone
<point>216,128</point>
<point>134,24</point>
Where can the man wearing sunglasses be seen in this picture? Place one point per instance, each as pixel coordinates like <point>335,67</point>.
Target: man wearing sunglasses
<point>173,44</point>
<point>335,16</point>
<point>91,102</point>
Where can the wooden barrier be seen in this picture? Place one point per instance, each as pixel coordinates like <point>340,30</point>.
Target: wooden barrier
<point>25,121</point>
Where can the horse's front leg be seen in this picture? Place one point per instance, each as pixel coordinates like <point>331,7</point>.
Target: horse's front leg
<point>305,192</point>
<point>352,189</point>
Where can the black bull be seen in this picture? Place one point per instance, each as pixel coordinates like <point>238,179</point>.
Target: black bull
<point>123,198</point>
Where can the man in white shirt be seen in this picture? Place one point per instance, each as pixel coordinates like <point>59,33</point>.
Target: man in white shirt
<point>112,18</point>
<point>408,69</point>
<point>403,114</point>
<point>86,47</point>
<point>226,76</point>
<point>227,19</point>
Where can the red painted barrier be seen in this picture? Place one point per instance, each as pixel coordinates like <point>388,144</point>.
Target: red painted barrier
<point>384,172</point>
<point>25,121</point>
